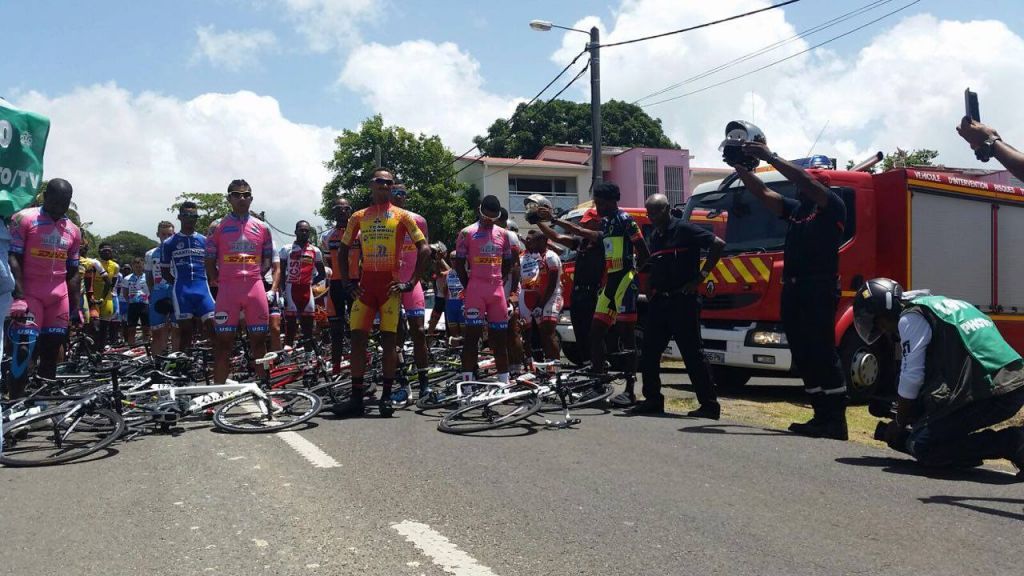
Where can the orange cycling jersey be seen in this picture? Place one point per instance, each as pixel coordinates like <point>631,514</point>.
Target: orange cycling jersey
<point>382,230</point>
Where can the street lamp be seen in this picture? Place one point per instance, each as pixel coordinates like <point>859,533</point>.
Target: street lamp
<point>594,46</point>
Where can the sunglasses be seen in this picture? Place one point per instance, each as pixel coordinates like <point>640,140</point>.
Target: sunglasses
<point>384,181</point>
<point>399,192</point>
<point>236,195</point>
<point>184,215</point>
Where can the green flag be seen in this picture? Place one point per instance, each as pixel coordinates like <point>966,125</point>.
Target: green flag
<point>22,142</point>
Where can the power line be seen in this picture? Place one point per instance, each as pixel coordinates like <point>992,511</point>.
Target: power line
<point>781,60</point>
<point>764,50</point>
<point>537,111</point>
<point>704,25</point>
<point>545,105</point>
<point>532,100</point>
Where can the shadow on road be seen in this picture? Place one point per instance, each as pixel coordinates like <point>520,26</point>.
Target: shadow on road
<point>727,429</point>
<point>907,467</point>
<point>969,503</point>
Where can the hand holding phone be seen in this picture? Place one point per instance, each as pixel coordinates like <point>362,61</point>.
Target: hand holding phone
<point>971,105</point>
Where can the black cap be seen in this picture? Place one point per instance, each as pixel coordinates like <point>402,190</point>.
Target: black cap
<point>490,203</point>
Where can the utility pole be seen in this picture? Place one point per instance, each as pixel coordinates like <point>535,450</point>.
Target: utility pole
<point>595,105</point>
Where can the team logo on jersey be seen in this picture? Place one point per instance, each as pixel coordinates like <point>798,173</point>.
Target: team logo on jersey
<point>181,245</point>
<point>220,317</point>
<point>243,245</point>
<point>26,139</point>
<point>472,314</point>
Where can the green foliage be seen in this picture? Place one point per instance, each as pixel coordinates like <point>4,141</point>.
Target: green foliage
<point>421,162</point>
<point>212,206</point>
<point>565,122</point>
<point>127,245</point>
<point>901,158</point>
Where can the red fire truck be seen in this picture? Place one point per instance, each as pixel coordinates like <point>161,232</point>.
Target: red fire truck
<point>926,229</point>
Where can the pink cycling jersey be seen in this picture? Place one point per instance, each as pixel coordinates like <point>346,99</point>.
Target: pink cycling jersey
<point>49,251</point>
<point>485,247</point>
<point>239,245</point>
<point>410,253</point>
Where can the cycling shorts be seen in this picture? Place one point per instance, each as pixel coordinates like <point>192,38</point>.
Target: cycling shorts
<point>337,301</point>
<point>298,300</point>
<point>235,298</point>
<point>453,311</point>
<point>375,298</point>
<point>108,309</point>
<point>616,301</point>
<point>192,300</point>
<point>48,307</point>
<point>414,305</point>
<point>156,319</point>
<point>486,302</point>
<point>530,301</point>
<point>137,313</point>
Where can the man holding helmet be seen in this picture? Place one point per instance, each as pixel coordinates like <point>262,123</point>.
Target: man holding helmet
<point>958,376</point>
<point>810,276</point>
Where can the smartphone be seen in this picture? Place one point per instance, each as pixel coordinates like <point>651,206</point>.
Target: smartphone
<point>971,105</point>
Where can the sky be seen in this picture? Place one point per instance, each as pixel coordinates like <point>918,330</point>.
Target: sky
<point>151,99</point>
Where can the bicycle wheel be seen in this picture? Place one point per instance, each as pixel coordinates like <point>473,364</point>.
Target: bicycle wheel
<point>490,414</point>
<point>582,391</point>
<point>249,413</point>
<point>59,435</point>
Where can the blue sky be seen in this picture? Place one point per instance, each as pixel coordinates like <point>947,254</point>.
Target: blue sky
<point>182,95</point>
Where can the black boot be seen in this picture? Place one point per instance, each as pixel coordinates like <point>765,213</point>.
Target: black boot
<point>829,420</point>
<point>802,427</point>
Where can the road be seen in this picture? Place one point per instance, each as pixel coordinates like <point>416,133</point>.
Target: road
<point>616,495</point>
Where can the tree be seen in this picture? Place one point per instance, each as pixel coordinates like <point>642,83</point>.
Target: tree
<point>127,245</point>
<point>533,127</point>
<point>901,158</point>
<point>211,206</point>
<point>422,163</point>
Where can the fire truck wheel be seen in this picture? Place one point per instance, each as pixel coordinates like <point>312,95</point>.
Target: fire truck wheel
<point>865,368</point>
<point>729,378</point>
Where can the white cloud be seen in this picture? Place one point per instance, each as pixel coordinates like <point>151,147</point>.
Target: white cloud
<point>129,155</point>
<point>232,49</point>
<point>330,24</point>
<point>426,87</point>
<point>903,88</point>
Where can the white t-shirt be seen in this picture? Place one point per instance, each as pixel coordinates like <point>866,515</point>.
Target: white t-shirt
<point>532,265</point>
<point>915,335</point>
<point>268,277</point>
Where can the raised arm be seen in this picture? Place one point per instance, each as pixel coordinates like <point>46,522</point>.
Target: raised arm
<point>770,198</point>
<point>976,134</point>
<point>810,186</point>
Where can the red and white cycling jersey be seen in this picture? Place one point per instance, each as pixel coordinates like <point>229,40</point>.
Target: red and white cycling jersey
<point>300,263</point>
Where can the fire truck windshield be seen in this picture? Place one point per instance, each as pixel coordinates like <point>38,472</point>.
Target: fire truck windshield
<point>740,219</point>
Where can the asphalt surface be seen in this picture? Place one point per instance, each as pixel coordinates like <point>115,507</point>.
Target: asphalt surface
<point>615,495</point>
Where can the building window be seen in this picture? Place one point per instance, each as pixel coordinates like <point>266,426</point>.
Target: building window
<point>674,184</point>
<point>650,175</point>
<point>561,192</point>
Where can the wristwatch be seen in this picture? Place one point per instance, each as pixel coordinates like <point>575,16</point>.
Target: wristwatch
<point>987,150</point>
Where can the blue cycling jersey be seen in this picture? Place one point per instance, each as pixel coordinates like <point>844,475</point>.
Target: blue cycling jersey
<point>185,255</point>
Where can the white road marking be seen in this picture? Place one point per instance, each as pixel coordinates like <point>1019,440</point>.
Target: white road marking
<point>441,550</point>
<point>311,452</point>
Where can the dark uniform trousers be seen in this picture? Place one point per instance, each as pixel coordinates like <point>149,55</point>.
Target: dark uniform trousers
<point>581,314</point>
<point>675,316</point>
<point>808,316</point>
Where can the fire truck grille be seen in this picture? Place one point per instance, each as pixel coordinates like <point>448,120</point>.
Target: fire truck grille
<point>730,301</point>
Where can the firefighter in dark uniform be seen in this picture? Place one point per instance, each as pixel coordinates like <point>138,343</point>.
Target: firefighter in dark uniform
<point>673,309</point>
<point>810,276</point>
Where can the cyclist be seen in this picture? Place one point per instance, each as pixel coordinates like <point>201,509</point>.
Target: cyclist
<point>382,228</point>
<point>487,250</point>
<point>182,263</point>
<point>88,270</point>
<point>106,298</point>
<point>304,267</point>
<point>616,301</point>
<point>540,300</point>
<point>454,319</point>
<point>137,295</point>
<point>515,336</point>
<point>121,309</point>
<point>238,253</point>
<point>44,263</point>
<point>439,269</point>
<point>413,302</point>
<point>275,300</point>
<point>339,301</point>
<point>161,310</point>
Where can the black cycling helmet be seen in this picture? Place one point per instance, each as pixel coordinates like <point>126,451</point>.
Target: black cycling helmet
<point>736,133</point>
<point>879,297</point>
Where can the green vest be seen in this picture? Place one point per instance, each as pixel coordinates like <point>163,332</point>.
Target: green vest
<point>967,359</point>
